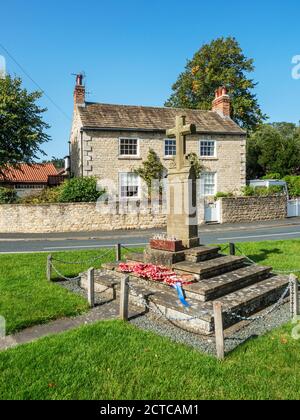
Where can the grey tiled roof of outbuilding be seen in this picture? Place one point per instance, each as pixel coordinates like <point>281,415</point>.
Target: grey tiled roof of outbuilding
<point>143,118</point>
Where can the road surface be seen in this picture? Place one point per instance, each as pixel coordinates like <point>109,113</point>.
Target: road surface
<point>210,234</point>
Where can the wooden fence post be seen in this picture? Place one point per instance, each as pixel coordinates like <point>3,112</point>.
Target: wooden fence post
<point>49,267</point>
<point>294,296</point>
<point>91,286</point>
<point>232,249</point>
<point>118,252</point>
<point>124,298</point>
<point>219,331</point>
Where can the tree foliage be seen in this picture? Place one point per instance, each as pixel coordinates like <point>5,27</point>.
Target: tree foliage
<point>275,149</point>
<point>220,63</point>
<point>59,163</point>
<point>22,129</point>
<point>8,196</point>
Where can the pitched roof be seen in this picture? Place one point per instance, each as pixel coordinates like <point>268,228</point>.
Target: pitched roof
<point>105,116</point>
<point>35,173</point>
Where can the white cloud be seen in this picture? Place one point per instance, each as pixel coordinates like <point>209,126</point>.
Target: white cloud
<point>296,68</point>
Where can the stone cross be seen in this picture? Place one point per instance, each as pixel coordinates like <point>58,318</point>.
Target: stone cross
<point>179,132</point>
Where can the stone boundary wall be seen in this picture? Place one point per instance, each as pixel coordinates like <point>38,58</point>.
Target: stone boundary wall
<point>80,217</point>
<point>76,217</point>
<point>249,209</point>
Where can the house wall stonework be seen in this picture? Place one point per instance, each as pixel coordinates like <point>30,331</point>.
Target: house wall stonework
<point>101,156</point>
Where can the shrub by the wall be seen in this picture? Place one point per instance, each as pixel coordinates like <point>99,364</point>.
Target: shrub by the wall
<point>80,190</point>
<point>274,175</point>
<point>48,195</point>
<point>8,196</point>
<point>224,195</point>
<point>293,183</point>
<point>250,191</point>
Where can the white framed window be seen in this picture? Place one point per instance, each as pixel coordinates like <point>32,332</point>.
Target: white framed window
<point>129,184</point>
<point>208,183</point>
<point>170,148</point>
<point>128,147</point>
<point>207,148</point>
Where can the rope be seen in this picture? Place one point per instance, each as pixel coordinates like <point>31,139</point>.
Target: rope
<point>274,271</point>
<point>83,261</point>
<point>125,248</point>
<point>62,276</point>
<point>161,314</point>
<point>272,309</point>
<point>224,248</point>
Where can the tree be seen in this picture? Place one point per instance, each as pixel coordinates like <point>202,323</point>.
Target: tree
<point>274,148</point>
<point>59,163</point>
<point>152,169</point>
<point>22,129</point>
<point>220,63</point>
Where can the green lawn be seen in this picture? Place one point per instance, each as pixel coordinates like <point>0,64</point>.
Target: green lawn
<point>27,298</point>
<point>112,360</point>
<point>281,255</point>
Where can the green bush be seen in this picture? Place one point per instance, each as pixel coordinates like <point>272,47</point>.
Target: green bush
<point>223,195</point>
<point>79,190</point>
<point>293,183</point>
<point>8,196</point>
<point>274,175</point>
<point>48,195</point>
<point>250,191</point>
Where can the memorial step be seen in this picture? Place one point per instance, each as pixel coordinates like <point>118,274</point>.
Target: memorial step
<point>244,303</point>
<point>199,316</point>
<point>218,286</point>
<point>202,253</point>
<point>210,268</point>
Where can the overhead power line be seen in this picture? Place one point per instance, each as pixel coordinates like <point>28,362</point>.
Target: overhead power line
<point>35,83</point>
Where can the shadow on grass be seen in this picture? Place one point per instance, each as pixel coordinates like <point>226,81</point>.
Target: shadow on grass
<point>264,254</point>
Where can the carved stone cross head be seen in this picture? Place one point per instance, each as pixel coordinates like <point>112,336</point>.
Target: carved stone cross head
<point>179,132</point>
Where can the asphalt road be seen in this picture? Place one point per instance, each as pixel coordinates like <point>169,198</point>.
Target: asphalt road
<point>247,232</point>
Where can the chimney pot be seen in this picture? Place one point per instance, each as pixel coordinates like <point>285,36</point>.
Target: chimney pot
<point>221,103</point>
<point>79,92</point>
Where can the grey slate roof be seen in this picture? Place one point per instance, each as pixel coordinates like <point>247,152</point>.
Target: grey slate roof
<point>142,118</point>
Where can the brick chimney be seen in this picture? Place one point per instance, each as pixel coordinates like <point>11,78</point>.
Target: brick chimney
<point>79,92</point>
<point>221,103</point>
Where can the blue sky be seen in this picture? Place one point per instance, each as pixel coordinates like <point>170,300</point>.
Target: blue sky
<point>132,51</point>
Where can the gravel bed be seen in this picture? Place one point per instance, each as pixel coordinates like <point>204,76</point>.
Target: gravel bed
<point>234,336</point>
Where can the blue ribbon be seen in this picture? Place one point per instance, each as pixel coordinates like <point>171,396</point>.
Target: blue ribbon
<point>181,297</point>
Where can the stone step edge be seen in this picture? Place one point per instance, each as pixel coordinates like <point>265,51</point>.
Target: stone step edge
<point>207,266</point>
<point>209,293</point>
<point>204,322</point>
<point>202,250</point>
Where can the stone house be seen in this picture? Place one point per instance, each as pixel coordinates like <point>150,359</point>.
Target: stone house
<point>110,141</point>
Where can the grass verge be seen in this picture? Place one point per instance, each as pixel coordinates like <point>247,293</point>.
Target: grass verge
<point>112,360</point>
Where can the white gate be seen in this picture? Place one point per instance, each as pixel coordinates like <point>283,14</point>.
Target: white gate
<point>293,208</point>
<point>212,211</point>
